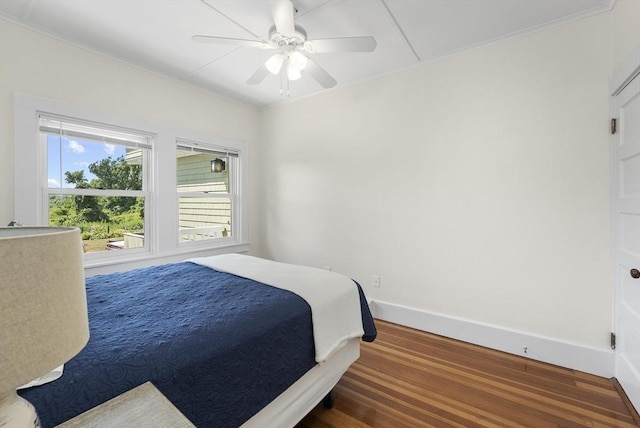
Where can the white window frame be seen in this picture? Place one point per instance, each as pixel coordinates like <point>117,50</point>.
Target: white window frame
<point>30,165</point>
<point>147,150</point>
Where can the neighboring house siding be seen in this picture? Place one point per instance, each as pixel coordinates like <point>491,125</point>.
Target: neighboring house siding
<point>194,175</point>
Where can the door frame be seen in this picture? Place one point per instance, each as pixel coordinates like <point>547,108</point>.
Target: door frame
<point>625,72</point>
<point>628,69</point>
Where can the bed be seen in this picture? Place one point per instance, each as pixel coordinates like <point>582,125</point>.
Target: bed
<point>227,339</point>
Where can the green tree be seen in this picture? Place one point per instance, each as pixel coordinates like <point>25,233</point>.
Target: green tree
<point>77,178</point>
<point>102,216</point>
<point>120,175</point>
<point>87,207</point>
<point>116,174</point>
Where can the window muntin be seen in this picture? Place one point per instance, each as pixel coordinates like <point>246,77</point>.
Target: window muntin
<point>206,183</point>
<point>97,180</point>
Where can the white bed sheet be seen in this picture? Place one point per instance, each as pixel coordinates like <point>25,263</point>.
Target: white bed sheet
<point>333,297</point>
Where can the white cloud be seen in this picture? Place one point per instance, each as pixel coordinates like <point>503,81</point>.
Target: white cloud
<point>83,165</point>
<point>109,148</point>
<point>53,182</point>
<point>76,147</point>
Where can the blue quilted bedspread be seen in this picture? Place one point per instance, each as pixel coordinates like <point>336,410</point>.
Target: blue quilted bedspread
<point>220,347</point>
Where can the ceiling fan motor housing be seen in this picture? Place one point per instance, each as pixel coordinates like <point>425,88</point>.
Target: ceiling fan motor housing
<point>285,43</point>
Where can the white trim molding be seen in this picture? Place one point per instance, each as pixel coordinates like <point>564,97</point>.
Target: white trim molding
<point>574,356</point>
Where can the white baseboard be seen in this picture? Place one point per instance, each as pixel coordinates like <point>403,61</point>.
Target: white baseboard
<point>596,361</point>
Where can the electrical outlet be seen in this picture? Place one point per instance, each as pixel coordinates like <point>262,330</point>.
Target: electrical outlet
<point>375,281</point>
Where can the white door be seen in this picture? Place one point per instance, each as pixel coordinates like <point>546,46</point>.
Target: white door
<point>626,221</point>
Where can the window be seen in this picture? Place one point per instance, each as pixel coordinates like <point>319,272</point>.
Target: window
<point>206,178</point>
<point>97,180</point>
<point>121,180</point>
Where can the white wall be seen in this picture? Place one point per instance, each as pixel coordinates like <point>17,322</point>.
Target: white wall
<point>33,63</point>
<point>476,186</point>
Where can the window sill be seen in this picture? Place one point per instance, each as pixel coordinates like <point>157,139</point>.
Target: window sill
<point>99,267</point>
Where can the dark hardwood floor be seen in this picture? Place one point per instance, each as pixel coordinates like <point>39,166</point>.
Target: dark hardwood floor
<point>409,378</point>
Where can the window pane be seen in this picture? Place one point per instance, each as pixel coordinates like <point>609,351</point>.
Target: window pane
<point>105,222</point>
<point>55,177</point>
<point>204,218</point>
<point>91,164</point>
<point>202,172</point>
<point>96,181</point>
<point>204,203</point>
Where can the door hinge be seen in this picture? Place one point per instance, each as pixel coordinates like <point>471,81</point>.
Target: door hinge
<point>614,125</point>
<point>613,341</point>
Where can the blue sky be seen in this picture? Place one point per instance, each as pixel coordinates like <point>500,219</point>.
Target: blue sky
<point>77,154</point>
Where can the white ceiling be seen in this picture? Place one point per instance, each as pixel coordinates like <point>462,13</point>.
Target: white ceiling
<point>156,34</point>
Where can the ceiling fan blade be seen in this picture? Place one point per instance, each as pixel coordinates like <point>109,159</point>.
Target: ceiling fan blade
<point>259,75</point>
<point>318,73</point>
<point>228,41</point>
<point>343,44</point>
<point>282,11</point>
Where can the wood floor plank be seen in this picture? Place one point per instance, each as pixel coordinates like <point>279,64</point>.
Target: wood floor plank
<point>409,378</point>
<point>506,388</point>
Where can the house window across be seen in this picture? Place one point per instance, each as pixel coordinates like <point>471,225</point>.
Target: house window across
<point>206,179</point>
<point>97,180</point>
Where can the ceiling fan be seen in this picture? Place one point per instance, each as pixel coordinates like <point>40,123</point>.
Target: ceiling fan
<point>292,47</point>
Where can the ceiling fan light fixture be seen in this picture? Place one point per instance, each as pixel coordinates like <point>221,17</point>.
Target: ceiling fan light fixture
<point>274,63</point>
<point>297,60</point>
<point>293,73</point>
